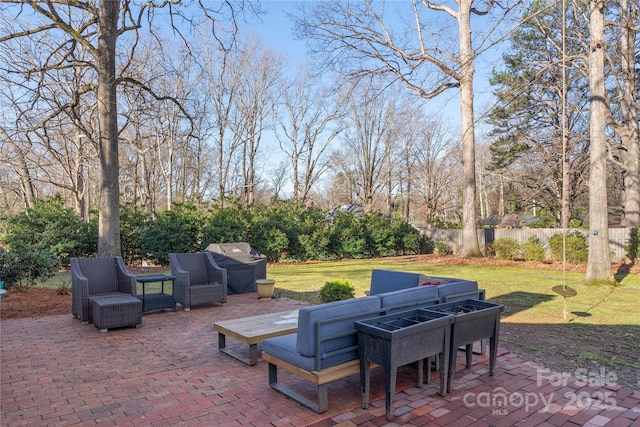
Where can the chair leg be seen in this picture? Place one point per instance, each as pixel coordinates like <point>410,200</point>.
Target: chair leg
<point>323,402</point>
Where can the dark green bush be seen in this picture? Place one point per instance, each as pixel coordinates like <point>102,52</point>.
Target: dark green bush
<point>506,248</point>
<point>442,248</point>
<point>632,246</point>
<point>176,230</point>
<point>134,221</point>
<point>337,290</point>
<point>317,244</point>
<point>576,244</point>
<point>533,250</point>
<point>348,236</point>
<point>379,238</point>
<point>406,238</point>
<point>226,225</point>
<point>22,267</point>
<point>283,231</point>
<point>545,220</point>
<point>49,226</point>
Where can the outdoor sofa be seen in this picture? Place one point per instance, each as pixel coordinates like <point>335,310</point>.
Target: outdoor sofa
<point>325,347</point>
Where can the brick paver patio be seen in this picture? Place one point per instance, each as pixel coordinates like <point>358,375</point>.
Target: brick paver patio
<point>56,372</point>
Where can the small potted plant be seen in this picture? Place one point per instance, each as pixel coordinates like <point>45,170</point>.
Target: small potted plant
<point>266,288</point>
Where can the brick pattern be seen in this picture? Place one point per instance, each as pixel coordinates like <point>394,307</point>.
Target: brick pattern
<point>56,372</point>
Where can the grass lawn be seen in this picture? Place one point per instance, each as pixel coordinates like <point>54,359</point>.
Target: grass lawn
<point>601,331</point>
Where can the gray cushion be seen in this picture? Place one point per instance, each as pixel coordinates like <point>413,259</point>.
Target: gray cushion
<point>284,348</point>
<point>419,295</point>
<point>457,290</point>
<point>309,316</point>
<point>388,281</point>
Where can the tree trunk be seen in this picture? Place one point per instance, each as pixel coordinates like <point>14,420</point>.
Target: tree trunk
<point>630,129</point>
<point>470,246</point>
<point>109,221</point>
<point>599,261</point>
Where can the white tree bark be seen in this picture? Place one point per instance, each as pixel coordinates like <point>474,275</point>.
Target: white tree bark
<point>599,260</point>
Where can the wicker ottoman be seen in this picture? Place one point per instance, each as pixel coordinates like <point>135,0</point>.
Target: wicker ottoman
<point>116,311</point>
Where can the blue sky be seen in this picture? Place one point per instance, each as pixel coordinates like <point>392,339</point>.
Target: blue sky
<point>276,29</point>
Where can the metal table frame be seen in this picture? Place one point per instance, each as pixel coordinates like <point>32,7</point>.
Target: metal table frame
<point>156,301</point>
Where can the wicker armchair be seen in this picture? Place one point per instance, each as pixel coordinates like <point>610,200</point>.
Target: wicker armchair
<point>104,284</point>
<point>198,279</point>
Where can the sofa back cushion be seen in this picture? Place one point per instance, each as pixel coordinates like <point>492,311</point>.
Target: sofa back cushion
<point>388,281</point>
<point>461,289</point>
<point>419,295</point>
<point>308,317</point>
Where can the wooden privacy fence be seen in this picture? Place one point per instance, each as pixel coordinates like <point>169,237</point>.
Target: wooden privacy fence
<point>618,237</point>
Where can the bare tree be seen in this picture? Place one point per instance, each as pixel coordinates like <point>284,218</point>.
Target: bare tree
<point>94,27</point>
<point>307,125</point>
<point>254,107</point>
<point>361,39</point>
<point>625,123</point>
<point>599,260</point>
<point>371,132</point>
<point>437,183</point>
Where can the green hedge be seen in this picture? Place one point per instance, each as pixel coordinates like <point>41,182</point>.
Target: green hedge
<point>283,232</point>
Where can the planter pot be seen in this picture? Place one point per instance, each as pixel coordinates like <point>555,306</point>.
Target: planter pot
<point>266,288</point>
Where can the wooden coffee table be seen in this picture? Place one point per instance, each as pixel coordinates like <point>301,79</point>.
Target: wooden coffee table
<point>253,330</point>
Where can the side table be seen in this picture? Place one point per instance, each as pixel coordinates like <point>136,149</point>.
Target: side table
<point>156,301</point>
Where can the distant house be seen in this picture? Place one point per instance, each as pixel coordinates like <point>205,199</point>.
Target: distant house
<point>490,221</point>
<point>352,208</point>
<point>510,221</point>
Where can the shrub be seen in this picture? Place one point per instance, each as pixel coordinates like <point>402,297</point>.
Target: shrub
<point>576,244</point>
<point>227,225</point>
<point>632,246</point>
<point>506,248</point>
<point>407,239</point>
<point>533,250</point>
<point>347,236</point>
<point>21,268</point>
<point>442,248</point>
<point>134,221</point>
<point>50,228</point>
<point>378,236</point>
<point>175,230</point>
<point>545,220</point>
<point>337,290</point>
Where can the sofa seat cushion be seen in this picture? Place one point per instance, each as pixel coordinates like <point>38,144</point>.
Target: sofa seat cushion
<point>308,317</point>
<point>421,295</point>
<point>284,348</point>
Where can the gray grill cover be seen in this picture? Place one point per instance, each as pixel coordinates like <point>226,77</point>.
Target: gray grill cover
<point>244,265</point>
